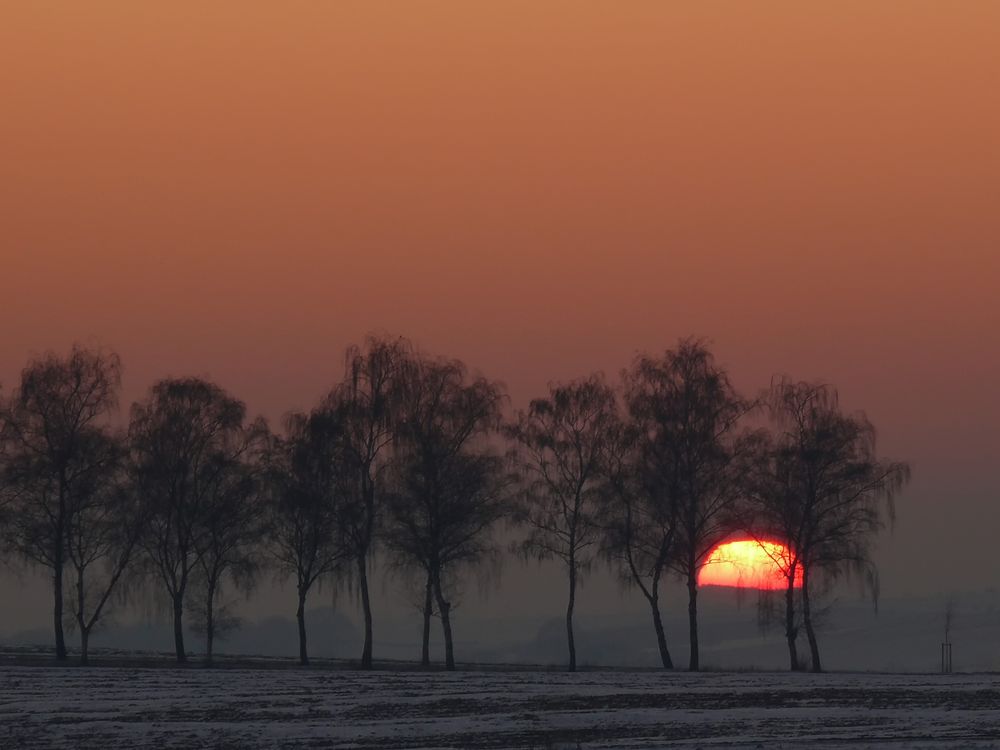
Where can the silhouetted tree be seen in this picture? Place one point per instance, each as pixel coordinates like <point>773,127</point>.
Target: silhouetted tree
<point>184,438</point>
<point>820,488</point>
<point>564,441</point>
<point>769,515</point>
<point>230,530</point>
<point>58,411</point>
<point>105,521</point>
<point>306,489</point>
<point>689,415</point>
<point>639,521</point>
<point>450,488</point>
<point>361,411</point>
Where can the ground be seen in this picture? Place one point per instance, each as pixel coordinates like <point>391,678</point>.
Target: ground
<point>130,706</point>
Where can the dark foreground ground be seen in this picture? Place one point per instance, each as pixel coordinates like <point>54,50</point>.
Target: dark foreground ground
<point>134,706</point>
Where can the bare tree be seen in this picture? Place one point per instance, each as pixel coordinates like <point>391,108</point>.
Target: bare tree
<point>450,488</point>
<point>361,411</point>
<point>306,489</point>
<point>230,530</point>
<point>639,522</point>
<point>564,442</point>
<point>105,521</point>
<point>58,408</point>
<point>183,437</point>
<point>770,515</point>
<point>689,415</point>
<point>822,490</point>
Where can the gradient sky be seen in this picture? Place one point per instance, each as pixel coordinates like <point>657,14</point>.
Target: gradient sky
<point>240,189</point>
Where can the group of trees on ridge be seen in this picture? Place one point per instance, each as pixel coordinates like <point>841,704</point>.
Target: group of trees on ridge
<point>417,459</point>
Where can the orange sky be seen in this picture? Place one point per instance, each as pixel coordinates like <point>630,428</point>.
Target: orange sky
<point>240,189</point>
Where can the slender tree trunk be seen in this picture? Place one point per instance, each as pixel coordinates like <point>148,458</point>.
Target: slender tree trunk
<point>300,615</point>
<point>569,615</point>
<point>444,608</point>
<point>209,623</point>
<point>661,638</point>
<point>425,651</point>
<point>81,621</point>
<point>179,628</point>
<point>57,571</point>
<point>57,608</point>
<point>791,632</point>
<point>366,653</point>
<point>84,645</point>
<point>692,585</point>
<point>807,620</point>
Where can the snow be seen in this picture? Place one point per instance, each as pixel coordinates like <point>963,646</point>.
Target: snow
<point>122,707</point>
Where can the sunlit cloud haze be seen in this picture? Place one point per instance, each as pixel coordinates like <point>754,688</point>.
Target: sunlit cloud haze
<point>241,190</point>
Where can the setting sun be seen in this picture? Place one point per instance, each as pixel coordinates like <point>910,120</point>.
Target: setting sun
<point>748,564</point>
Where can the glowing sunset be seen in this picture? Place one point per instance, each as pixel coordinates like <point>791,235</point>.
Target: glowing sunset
<point>748,564</point>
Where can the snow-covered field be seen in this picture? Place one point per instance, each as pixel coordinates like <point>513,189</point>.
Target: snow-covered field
<point>262,708</point>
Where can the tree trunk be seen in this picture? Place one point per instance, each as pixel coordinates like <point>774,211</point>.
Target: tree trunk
<point>692,584</point>
<point>569,615</point>
<point>81,620</point>
<point>209,625</point>
<point>84,644</point>
<point>444,608</point>
<point>57,571</point>
<point>807,620</point>
<point>366,653</point>
<point>425,651</point>
<point>791,632</point>
<point>57,609</point>
<point>661,638</point>
<point>179,628</point>
<point>300,615</point>
<point>209,621</point>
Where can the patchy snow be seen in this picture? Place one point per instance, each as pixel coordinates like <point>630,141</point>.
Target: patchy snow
<point>122,707</point>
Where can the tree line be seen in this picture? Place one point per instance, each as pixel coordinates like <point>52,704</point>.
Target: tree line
<point>416,459</point>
